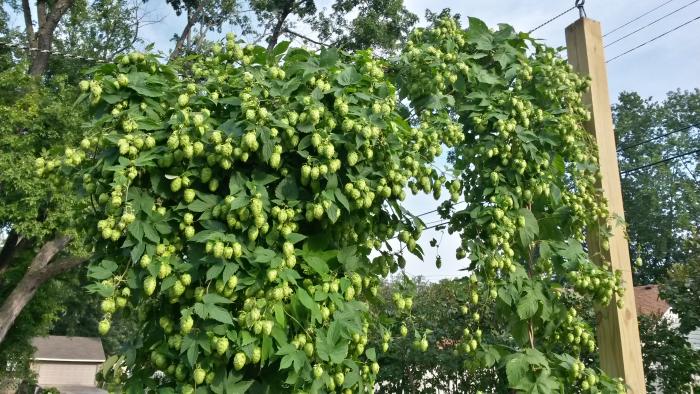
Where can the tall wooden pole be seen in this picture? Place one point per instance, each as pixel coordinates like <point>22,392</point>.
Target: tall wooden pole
<point>618,333</point>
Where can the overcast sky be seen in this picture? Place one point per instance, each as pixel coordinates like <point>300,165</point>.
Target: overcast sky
<point>669,63</point>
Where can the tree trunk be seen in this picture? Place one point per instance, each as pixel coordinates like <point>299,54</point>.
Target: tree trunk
<point>192,17</point>
<point>279,26</point>
<point>40,270</point>
<point>28,25</point>
<point>48,21</point>
<point>14,244</point>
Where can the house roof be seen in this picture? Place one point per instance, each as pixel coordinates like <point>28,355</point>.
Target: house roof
<point>68,349</point>
<point>648,302</point>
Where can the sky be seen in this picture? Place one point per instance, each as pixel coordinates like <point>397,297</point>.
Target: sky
<point>669,63</point>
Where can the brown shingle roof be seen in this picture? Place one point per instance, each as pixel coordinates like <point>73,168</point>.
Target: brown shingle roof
<point>68,348</point>
<point>648,302</point>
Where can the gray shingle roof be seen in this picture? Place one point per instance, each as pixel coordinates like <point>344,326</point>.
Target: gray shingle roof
<point>68,348</point>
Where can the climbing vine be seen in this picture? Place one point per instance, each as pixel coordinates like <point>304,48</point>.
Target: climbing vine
<point>528,173</point>
<point>236,201</point>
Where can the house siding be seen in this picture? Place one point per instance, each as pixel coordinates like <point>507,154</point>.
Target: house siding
<point>65,373</point>
<point>694,339</point>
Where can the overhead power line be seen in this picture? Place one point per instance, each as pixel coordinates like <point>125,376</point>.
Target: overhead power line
<point>552,19</point>
<point>435,210</point>
<point>637,18</point>
<point>652,23</point>
<point>658,137</point>
<point>678,156</point>
<point>653,39</point>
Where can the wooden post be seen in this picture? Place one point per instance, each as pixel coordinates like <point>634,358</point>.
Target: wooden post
<point>618,333</point>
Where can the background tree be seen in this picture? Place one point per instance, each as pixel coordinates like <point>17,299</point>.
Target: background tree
<point>407,369</point>
<point>38,118</point>
<point>669,360</point>
<point>35,118</point>
<point>205,16</point>
<point>682,289</point>
<point>378,23</point>
<point>348,24</point>
<point>102,30</point>
<point>662,202</point>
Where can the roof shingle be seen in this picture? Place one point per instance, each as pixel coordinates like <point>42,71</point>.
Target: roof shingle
<point>54,347</point>
<point>648,302</point>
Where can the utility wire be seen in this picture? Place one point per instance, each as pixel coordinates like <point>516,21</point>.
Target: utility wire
<point>435,210</point>
<point>651,23</point>
<point>658,137</point>
<point>637,18</point>
<point>552,19</point>
<point>653,39</point>
<point>678,156</point>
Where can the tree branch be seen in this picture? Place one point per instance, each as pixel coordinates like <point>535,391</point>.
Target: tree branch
<point>277,30</point>
<point>14,244</point>
<point>191,19</point>
<point>47,252</point>
<point>303,37</point>
<point>41,12</point>
<point>28,25</point>
<point>39,272</point>
<point>60,266</point>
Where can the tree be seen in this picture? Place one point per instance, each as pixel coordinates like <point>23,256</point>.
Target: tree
<point>38,217</point>
<point>670,363</point>
<point>682,288</point>
<point>662,202</point>
<point>380,24</point>
<point>408,369</point>
<point>36,119</point>
<point>101,31</point>
<point>208,15</point>
<point>49,15</point>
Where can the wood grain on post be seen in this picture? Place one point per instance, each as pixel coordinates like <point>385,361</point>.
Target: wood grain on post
<point>618,333</point>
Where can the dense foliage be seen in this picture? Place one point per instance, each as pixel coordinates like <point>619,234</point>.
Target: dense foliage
<point>236,200</point>
<point>528,172</point>
<point>406,368</point>
<point>670,363</point>
<point>662,202</point>
<point>35,118</point>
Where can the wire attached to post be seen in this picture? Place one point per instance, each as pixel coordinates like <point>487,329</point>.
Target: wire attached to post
<point>581,11</point>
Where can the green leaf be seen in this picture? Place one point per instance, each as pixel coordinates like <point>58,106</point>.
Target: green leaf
<point>516,369</point>
<point>347,256</point>
<point>528,305</point>
<point>280,48</point>
<point>329,57</point>
<point>348,76</point>
<point>330,346</point>
<point>287,189</point>
<point>531,228</point>
<point>150,233</point>
<point>317,264</point>
<point>295,237</point>
<point>263,255</point>
<point>306,299</point>
<point>136,230</point>
<point>213,298</point>
<point>219,314</point>
<point>342,199</point>
<point>214,271</point>
<point>333,213</point>
<point>479,34</point>
<point>200,205</point>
